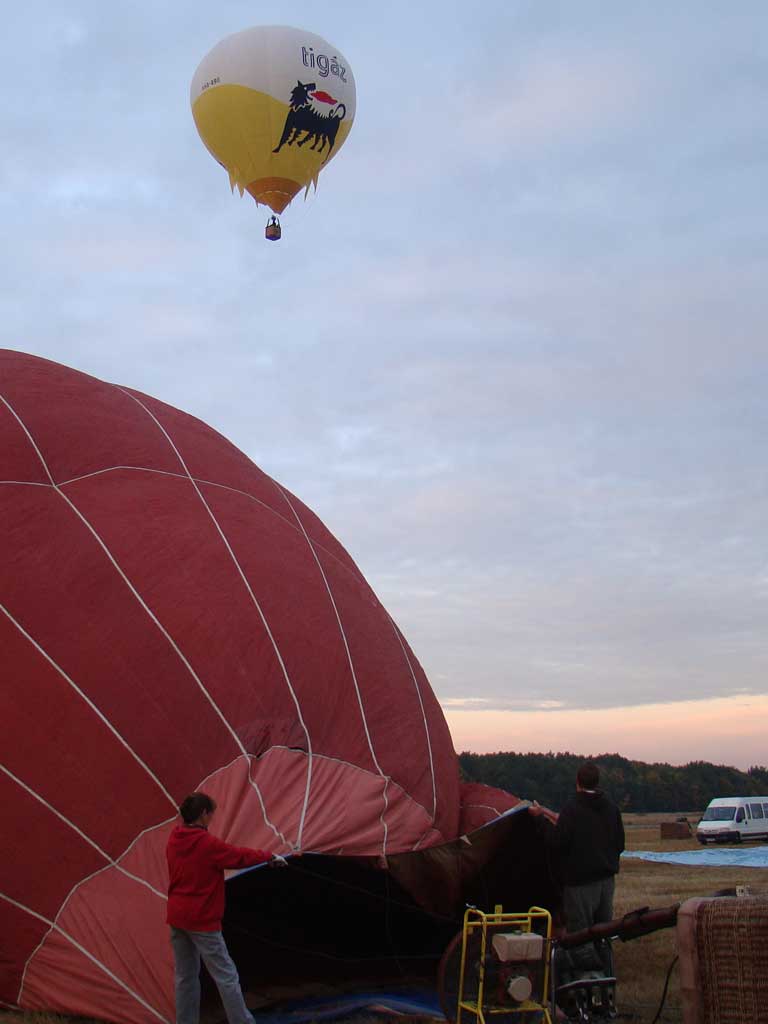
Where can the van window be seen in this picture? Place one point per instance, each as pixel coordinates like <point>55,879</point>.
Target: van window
<point>765,808</point>
<point>757,810</point>
<point>740,814</point>
<point>720,813</point>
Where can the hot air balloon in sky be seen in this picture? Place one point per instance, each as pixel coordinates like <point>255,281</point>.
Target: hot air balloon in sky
<point>273,105</point>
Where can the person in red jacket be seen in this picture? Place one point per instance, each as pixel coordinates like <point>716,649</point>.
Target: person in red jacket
<point>196,864</point>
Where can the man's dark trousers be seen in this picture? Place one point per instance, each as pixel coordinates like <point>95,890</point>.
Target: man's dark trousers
<point>583,906</point>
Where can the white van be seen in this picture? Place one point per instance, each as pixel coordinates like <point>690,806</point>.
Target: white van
<point>729,819</point>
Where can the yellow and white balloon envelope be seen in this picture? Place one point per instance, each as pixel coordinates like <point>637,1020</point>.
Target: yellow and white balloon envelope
<point>273,105</point>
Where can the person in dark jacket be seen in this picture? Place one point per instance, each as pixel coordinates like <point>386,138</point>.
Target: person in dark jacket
<point>196,864</point>
<point>587,840</point>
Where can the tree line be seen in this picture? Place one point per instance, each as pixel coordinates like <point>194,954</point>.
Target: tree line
<point>634,785</point>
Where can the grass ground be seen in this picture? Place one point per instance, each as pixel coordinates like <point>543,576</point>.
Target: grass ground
<point>641,965</point>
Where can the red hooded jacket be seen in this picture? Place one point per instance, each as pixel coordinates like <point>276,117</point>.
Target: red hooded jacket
<point>196,865</point>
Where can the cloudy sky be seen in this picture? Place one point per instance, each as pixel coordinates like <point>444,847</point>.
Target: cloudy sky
<point>513,352</point>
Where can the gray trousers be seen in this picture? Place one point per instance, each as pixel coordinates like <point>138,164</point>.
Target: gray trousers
<point>188,949</point>
<point>585,905</point>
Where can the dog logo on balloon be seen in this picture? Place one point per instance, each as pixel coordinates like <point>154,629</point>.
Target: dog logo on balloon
<point>307,121</point>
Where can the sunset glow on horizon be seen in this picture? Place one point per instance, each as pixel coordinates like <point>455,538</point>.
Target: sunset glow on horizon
<point>726,730</point>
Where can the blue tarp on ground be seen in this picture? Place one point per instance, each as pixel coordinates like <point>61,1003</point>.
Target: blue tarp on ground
<point>718,857</point>
<point>412,1004</point>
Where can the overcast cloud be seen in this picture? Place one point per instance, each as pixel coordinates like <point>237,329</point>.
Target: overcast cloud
<point>513,352</point>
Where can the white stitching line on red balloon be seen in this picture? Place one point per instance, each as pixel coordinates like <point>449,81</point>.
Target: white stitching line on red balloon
<point>139,598</point>
<point>52,926</point>
<point>351,669</point>
<point>250,592</point>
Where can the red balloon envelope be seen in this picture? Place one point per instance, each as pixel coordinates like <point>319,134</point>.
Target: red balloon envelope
<point>173,619</point>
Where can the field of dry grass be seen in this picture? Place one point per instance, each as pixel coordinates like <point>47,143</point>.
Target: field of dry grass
<point>641,965</point>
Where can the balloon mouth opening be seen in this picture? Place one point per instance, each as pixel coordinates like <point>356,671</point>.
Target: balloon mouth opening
<point>276,193</point>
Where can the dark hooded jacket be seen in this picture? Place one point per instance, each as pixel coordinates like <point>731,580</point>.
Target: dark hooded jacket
<point>588,838</point>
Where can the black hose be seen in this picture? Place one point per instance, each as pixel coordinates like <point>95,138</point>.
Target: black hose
<point>664,993</point>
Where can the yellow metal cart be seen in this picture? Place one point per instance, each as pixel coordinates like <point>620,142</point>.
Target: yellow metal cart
<point>505,966</point>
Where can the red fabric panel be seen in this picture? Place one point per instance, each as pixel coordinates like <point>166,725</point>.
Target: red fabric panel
<point>430,838</point>
<point>345,806</point>
<point>209,456</point>
<point>239,819</point>
<point>61,979</point>
<point>62,587</point>
<point>481,804</point>
<point>382,670</point>
<point>302,621</point>
<point>146,857</point>
<point>444,758</point>
<point>108,425</point>
<point>134,947</point>
<point>176,558</point>
<point>84,616</point>
<point>20,934</point>
<point>19,462</point>
<point>91,766</point>
<point>319,533</point>
<point>44,873</point>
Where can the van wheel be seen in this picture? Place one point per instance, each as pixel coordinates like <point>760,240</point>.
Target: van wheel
<point>735,837</point>
<point>704,841</point>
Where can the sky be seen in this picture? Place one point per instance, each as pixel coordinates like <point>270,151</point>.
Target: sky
<point>512,352</point>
